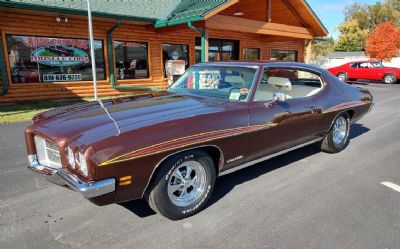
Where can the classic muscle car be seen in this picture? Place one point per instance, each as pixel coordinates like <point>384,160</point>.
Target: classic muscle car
<point>366,70</point>
<point>170,147</point>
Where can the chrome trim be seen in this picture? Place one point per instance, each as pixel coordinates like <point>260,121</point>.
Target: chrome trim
<point>231,170</point>
<point>44,149</point>
<point>64,178</point>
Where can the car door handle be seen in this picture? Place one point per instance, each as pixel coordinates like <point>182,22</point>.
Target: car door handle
<point>313,108</point>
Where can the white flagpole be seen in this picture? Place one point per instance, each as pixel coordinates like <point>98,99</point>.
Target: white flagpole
<point>92,49</point>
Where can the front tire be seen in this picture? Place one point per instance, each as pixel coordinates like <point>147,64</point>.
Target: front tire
<point>183,185</point>
<point>389,79</point>
<point>337,138</point>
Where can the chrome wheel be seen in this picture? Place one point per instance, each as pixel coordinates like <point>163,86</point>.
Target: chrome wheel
<point>390,79</point>
<point>187,183</point>
<point>340,130</point>
<point>342,77</point>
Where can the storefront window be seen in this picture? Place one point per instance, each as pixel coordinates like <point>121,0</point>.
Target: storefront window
<point>219,50</point>
<point>283,55</point>
<point>251,54</point>
<point>131,60</point>
<point>175,52</point>
<point>36,59</point>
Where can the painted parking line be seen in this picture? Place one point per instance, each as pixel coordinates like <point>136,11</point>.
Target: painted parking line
<point>391,185</point>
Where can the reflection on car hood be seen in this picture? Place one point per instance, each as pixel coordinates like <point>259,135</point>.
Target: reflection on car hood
<point>89,122</point>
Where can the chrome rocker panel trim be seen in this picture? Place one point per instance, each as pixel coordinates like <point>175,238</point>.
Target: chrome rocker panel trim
<point>248,164</point>
<point>63,178</point>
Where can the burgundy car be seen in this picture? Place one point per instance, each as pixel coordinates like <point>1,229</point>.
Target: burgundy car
<point>170,148</point>
<point>366,70</point>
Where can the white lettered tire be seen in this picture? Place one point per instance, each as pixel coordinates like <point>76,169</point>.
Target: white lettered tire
<point>182,185</point>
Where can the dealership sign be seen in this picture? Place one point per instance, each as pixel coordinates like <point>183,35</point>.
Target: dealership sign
<point>59,52</point>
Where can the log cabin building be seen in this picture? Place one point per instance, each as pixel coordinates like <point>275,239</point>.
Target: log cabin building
<point>44,48</point>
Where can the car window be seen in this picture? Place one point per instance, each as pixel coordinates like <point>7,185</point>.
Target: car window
<point>293,83</point>
<point>365,65</point>
<point>354,65</point>
<point>377,64</point>
<point>225,82</point>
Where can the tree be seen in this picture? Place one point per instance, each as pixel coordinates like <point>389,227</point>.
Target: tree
<point>384,42</point>
<point>352,37</point>
<point>368,16</point>
<point>359,12</point>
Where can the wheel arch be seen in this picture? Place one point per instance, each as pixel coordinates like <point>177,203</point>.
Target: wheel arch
<point>350,112</point>
<point>214,151</point>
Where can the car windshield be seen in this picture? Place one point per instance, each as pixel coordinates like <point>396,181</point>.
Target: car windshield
<point>223,82</point>
<point>377,64</point>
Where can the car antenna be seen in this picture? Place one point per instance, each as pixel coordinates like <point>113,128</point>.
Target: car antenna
<point>92,55</point>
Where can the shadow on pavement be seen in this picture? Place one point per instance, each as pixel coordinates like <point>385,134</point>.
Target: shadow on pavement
<point>226,183</point>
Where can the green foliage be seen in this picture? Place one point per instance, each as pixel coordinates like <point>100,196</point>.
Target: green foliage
<point>361,19</point>
<point>369,16</point>
<point>352,37</point>
<point>11,113</point>
<point>323,48</point>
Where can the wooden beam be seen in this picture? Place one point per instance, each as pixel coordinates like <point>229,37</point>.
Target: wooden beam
<point>295,13</point>
<point>257,27</point>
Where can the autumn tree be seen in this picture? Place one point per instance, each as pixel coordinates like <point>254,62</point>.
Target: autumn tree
<point>352,37</point>
<point>384,42</point>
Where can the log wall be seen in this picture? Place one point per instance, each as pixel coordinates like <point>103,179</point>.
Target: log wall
<point>22,22</point>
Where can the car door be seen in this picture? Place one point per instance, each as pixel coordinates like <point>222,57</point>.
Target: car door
<point>364,71</point>
<point>283,123</point>
<point>353,70</point>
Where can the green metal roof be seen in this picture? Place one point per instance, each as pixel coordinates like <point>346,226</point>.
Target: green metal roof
<point>190,10</point>
<point>160,12</point>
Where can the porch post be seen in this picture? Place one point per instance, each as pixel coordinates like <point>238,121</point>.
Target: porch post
<point>204,46</point>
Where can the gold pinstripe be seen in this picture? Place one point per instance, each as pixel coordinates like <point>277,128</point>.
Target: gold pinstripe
<point>249,129</point>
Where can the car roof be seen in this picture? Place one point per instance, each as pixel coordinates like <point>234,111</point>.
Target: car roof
<point>362,61</point>
<point>261,64</point>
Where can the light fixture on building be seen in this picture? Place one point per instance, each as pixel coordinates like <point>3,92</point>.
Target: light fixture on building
<point>238,13</point>
<point>62,19</point>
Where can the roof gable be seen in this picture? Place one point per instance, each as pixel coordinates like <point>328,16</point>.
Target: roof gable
<point>158,12</point>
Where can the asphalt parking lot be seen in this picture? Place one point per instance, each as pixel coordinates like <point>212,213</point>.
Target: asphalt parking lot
<point>304,199</point>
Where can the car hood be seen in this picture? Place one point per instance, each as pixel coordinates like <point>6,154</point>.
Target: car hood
<point>91,122</point>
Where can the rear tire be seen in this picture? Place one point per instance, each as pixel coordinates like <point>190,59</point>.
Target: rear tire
<point>389,79</point>
<point>343,77</point>
<point>183,185</point>
<point>337,138</point>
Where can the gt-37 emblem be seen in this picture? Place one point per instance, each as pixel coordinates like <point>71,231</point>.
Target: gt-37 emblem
<point>234,159</point>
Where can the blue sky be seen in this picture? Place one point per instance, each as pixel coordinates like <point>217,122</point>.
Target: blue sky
<point>331,12</point>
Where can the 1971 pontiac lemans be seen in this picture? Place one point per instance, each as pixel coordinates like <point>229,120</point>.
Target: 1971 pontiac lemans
<point>170,148</point>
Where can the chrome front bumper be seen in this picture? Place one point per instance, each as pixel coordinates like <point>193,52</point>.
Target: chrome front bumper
<point>63,178</point>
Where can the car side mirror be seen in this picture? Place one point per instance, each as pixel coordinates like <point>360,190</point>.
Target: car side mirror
<point>279,97</point>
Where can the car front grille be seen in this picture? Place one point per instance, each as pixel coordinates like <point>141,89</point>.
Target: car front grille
<point>47,152</point>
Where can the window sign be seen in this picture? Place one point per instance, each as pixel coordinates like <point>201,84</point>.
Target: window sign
<point>36,59</point>
<point>131,60</point>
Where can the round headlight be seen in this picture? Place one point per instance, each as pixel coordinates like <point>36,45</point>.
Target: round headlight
<point>83,164</point>
<point>71,158</point>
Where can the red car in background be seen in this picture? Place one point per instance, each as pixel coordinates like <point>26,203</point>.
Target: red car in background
<point>366,70</point>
